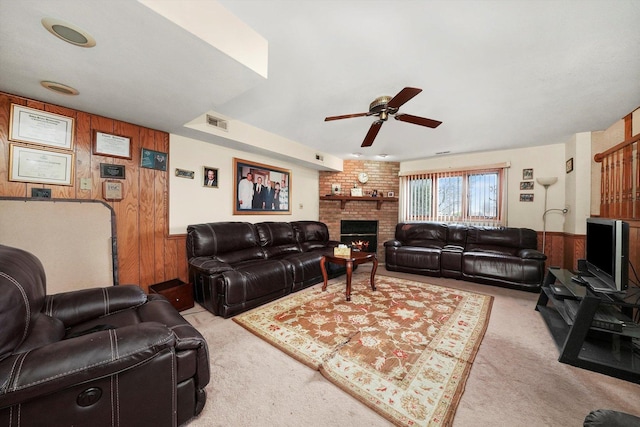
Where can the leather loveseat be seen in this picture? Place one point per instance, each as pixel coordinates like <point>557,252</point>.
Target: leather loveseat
<point>235,266</point>
<point>497,256</point>
<point>96,357</point>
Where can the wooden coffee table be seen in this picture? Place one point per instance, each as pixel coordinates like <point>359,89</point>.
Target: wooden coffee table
<point>350,260</point>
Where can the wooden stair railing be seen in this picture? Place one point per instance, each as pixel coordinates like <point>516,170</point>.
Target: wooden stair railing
<point>620,177</point>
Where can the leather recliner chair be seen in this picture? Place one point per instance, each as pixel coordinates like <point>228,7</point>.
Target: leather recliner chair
<point>97,357</point>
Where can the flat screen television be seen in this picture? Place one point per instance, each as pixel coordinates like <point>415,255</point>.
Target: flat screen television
<point>607,251</point>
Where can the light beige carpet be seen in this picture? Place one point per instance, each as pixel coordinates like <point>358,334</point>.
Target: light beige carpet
<point>516,379</point>
<point>404,350</point>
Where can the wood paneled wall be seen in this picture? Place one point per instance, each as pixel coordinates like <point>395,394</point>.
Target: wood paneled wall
<point>146,253</point>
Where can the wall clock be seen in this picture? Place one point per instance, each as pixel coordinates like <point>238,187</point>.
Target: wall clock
<point>363,177</point>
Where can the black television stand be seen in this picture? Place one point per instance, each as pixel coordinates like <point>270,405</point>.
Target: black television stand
<point>581,342</point>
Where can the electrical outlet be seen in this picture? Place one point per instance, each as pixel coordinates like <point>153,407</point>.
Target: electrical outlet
<point>85,183</point>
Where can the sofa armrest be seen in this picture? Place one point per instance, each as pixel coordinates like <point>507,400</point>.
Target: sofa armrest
<point>531,254</point>
<point>49,368</point>
<point>187,336</point>
<point>75,307</point>
<point>208,265</point>
<point>393,243</point>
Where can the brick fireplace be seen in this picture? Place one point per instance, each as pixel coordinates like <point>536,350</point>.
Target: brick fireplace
<point>383,177</point>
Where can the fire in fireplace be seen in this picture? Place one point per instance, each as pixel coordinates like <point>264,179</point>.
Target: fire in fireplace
<point>359,234</point>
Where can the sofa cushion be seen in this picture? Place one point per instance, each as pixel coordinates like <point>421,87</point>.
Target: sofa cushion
<point>275,233</point>
<point>495,239</point>
<point>311,234</point>
<point>256,280</point>
<point>426,235</point>
<point>215,239</point>
<point>419,258</point>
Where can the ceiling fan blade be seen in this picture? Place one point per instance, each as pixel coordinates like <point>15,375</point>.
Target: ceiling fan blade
<point>346,116</point>
<point>403,96</point>
<point>422,121</point>
<point>373,132</point>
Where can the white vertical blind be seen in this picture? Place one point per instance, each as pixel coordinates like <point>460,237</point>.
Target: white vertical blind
<point>474,196</point>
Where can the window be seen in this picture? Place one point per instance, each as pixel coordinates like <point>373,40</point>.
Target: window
<point>473,196</point>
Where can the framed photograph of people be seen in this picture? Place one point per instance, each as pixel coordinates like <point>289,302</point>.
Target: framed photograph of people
<point>526,185</point>
<point>260,189</point>
<point>210,177</point>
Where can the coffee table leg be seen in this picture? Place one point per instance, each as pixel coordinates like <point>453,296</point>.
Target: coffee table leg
<point>323,268</point>
<point>373,274</point>
<point>349,271</point>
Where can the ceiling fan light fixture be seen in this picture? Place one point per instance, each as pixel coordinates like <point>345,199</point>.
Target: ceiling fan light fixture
<point>68,32</point>
<point>59,88</point>
<point>379,104</point>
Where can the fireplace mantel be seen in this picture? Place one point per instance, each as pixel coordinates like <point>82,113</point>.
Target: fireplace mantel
<point>344,199</point>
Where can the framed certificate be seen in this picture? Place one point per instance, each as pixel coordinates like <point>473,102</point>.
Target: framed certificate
<point>40,166</point>
<point>112,190</point>
<point>105,144</point>
<point>39,127</point>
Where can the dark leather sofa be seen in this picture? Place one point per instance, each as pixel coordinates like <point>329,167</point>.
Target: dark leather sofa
<point>97,357</point>
<point>235,266</point>
<point>497,256</point>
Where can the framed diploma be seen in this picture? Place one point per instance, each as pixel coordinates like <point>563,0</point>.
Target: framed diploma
<point>39,127</point>
<point>105,144</point>
<point>40,166</point>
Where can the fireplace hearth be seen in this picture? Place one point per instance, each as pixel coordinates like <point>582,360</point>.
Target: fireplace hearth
<point>360,234</point>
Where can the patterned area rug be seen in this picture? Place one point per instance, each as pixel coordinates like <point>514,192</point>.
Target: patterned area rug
<point>405,350</point>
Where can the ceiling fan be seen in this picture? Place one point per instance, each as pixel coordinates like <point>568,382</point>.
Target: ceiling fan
<point>383,106</point>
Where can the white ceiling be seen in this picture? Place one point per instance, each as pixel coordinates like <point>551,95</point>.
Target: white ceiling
<point>498,74</point>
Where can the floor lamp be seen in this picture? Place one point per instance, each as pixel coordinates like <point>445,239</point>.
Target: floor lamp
<point>545,182</point>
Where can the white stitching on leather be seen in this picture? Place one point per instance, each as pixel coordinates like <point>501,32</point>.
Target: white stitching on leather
<point>117,394</point>
<point>105,301</point>
<point>106,361</point>
<point>26,301</point>
<point>19,361</point>
<point>7,383</point>
<point>174,390</point>
<point>112,398</point>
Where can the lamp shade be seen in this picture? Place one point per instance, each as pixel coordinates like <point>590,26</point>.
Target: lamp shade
<point>547,180</point>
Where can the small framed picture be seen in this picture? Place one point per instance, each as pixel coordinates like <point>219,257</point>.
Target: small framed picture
<point>210,177</point>
<point>391,194</point>
<point>527,174</point>
<point>526,185</point>
<point>105,144</point>
<point>108,170</point>
<point>151,159</point>
<point>569,165</point>
<point>112,190</point>
<point>526,197</point>
<point>336,189</point>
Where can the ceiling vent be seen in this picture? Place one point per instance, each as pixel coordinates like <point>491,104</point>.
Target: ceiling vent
<point>217,123</point>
